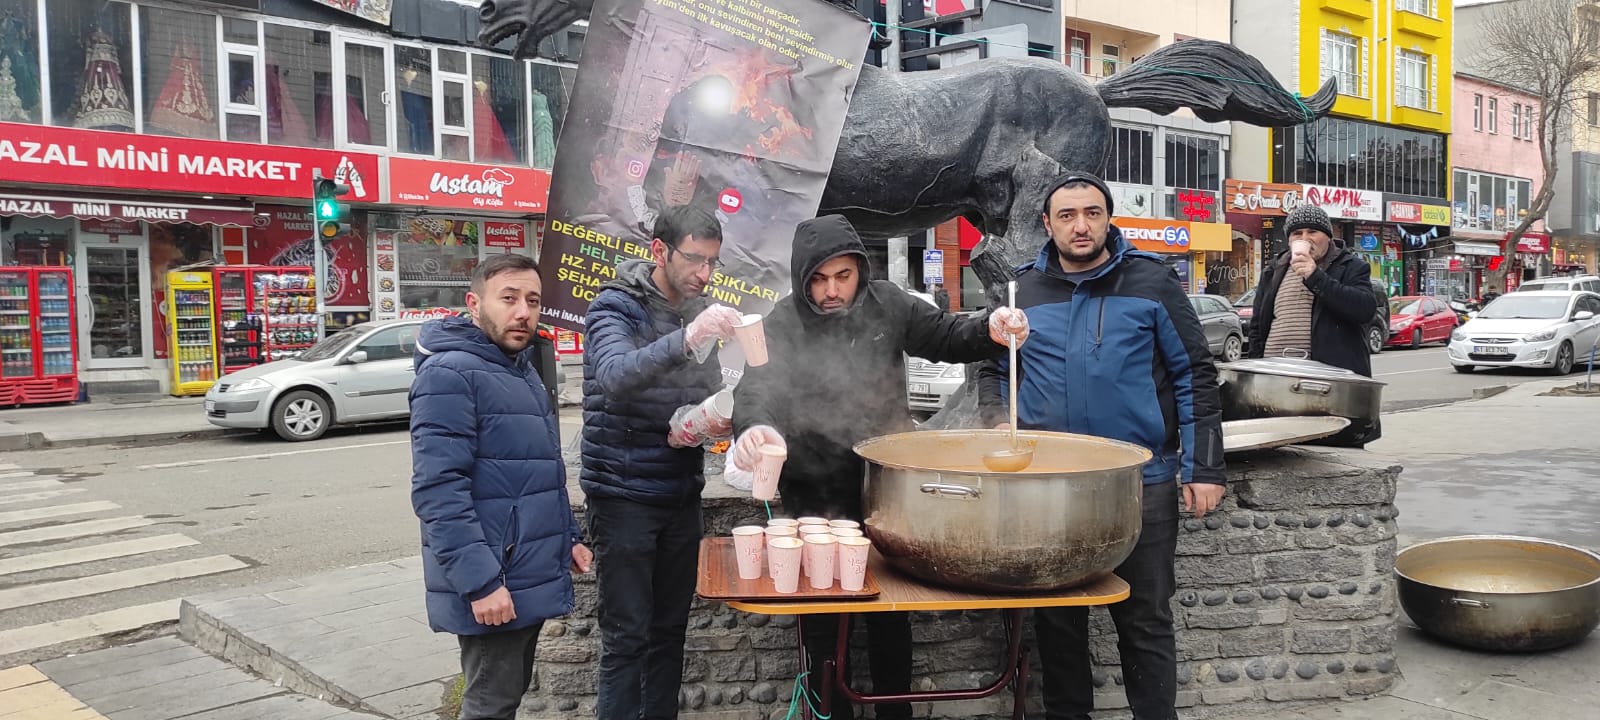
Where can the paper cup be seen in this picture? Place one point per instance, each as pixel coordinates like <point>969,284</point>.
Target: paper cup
<point>1300,247</point>
<point>811,520</point>
<point>768,468</point>
<point>748,541</point>
<point>844,524</point>
<point>853,552</point>
<point>783,522</point>
<point>846,532</point>
<point>772,533</point>
<point>752,339</point>
<point>784,555</point>
<point>822,556</point>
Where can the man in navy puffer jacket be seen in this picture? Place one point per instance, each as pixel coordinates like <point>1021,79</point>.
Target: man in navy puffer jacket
<point>490,488</point>
<point>643,495</point>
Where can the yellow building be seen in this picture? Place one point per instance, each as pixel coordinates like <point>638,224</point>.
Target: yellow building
<point>1380,162</point>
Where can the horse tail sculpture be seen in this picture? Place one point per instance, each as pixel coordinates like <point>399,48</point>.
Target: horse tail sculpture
<point>1218,82</point>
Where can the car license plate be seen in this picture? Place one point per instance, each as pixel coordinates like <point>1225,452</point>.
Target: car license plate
<point>211,405</point>
<point>919,388</point>
<point>1490,350</point>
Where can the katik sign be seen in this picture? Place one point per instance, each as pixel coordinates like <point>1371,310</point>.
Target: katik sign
<point>464,186</point>
<point>1346,203</point>
<point>148,163</point>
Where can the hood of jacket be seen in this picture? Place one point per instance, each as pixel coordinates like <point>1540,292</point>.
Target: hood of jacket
<point>816,241</point>
<point>460,333</point>
<point>636,278</point>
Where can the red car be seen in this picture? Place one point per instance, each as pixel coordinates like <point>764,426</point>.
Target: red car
<point>1417,319</point>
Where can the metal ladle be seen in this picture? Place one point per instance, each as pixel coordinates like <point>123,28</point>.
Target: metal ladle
<point>1018,457</point>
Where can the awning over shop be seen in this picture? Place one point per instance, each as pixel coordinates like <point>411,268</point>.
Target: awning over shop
<point>1477,248</point>
<point>91,207</point>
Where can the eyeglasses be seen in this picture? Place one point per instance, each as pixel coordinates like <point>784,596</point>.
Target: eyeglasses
<point>698,260</point>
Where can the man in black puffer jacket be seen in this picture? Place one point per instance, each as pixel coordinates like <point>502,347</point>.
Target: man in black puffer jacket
<point>837,376</point>
<point>643,495</point>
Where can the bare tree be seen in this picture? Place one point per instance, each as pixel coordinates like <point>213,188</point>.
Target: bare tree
<point>1547,48</point>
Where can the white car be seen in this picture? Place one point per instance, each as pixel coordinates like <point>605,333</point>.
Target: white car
<point>1565,283</point>
<point>929,384</point>
<point>360,374</point>
<point>1530,329</point>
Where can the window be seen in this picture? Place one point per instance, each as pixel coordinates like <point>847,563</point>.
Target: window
<point>1594,109</point>
<point>1078,51</point>
<point>1341,59</point>
<point>454,128</point>
<point>243,73</point>
<point>437,257</point>
<point>1477,112</point>
<point>1411,83</point>
<point>552,86</point>
<point>1131,156</point>
<point>1527,121</point>
<point>1494,116</point>
<point>178,59</point>
<point>19,58</point>
<point>413,82</point>
<point>1489,202</point>
<point>91,63</point>
<point>366,77</point>
<point>1110,60</point>
<point>1365,156</point>
<point>500,110</point>
<point>1516,120</point>
<point>1420,7</point>
<point>395,343</point>
<point>299,99</point>
<point>1193,162</point>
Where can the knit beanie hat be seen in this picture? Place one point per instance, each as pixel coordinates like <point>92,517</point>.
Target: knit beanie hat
<point>1308,216</point>
<point>1073,176</point>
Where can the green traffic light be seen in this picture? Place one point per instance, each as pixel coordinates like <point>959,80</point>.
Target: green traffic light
<point>327,210</point>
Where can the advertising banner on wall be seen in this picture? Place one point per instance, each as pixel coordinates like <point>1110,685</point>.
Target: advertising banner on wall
<point>282,236</point>
<point>732,106</point>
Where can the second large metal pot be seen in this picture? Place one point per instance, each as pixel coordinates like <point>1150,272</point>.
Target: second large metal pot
<point>1292,387</point>
<point>934,511</point>
<point>1502,593</point>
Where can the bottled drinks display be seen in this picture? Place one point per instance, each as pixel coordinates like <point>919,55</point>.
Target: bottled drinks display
<point>38,362</point>
<point>193,340</point>
<point>16,327</point>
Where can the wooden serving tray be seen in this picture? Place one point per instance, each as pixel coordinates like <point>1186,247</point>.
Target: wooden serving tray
<point>719,580</point>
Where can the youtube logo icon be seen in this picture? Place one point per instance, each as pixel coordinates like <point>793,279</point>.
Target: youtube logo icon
<point>730,201</point>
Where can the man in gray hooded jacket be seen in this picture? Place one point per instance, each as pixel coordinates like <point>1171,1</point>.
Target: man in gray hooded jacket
<point>643,495</point>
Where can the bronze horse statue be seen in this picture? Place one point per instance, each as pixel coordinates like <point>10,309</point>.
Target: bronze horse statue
<point>980,141</point>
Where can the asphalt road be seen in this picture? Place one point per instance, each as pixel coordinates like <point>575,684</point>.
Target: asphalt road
<point>1423,377</point>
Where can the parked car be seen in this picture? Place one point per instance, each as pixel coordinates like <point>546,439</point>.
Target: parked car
<point>1549,330</point>
<point>1377,330</point>
<point>1569,283</point>
<point>929,384</point>
<point>1416,319</point>
<point>1224,329</point>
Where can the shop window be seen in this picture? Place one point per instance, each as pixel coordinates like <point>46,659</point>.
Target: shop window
<point>91,78</point>
<point>35,241</point>
<point>178,58</point>
<point>499,110</point>
<point>455,134</point>
<point>366,77</point>
<point>414,83</point>
<point>299,73</point>
<point>552,87</point>
<point>1131,156</point>
<point>20,98</point>
<point>437,258</point>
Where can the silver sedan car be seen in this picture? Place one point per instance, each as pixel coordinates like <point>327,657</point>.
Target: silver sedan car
<point>360,374</point>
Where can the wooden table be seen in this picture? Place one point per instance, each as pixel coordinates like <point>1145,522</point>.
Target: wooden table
<point>902,593</point>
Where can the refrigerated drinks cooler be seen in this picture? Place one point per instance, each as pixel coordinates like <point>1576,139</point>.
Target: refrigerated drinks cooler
<point>38,336</point>
<point>191,332</point>
<point>265,313</point>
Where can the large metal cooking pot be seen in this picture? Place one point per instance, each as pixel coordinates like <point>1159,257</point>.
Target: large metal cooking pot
<point>934,511</point>
<point>1294,387</point>
<point>1499,592</point>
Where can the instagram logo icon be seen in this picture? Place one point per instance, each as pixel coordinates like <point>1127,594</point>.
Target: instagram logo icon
<point>635,169</point>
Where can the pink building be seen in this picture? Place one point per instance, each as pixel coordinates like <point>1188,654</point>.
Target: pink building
<point>1497,169</point>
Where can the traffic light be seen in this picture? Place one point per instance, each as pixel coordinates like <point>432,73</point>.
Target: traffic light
<point>331,219</point>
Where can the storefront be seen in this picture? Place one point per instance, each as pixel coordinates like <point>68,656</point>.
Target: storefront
<point>1184,245</point>
<point>1255,210</point>
<point>122,210</point>
<point>1421,227</point>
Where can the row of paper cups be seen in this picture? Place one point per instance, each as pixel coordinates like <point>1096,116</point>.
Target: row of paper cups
<point>822,550</point>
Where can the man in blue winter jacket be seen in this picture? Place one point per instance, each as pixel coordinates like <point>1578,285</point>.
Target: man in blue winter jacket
<point>1118,352</point>
<point>490,488</point>
<point>649,349</point>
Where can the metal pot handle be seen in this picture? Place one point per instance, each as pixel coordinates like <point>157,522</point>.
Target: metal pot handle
<point>1469,602</point>
<point>960,492</point>
<point>1311,387</point>
<point>1304,354</point>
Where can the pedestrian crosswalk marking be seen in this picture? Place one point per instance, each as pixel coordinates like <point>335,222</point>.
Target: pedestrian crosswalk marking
<point>13,474</point>
<point>29,485</point>
<point>86,626</point>
<point>74,530</point>
<point>121,580</point>
<point>56,511</point>
<point>37,496</point>
<point>92,553</point>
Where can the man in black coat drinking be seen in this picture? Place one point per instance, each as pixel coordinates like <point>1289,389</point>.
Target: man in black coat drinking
<point>837,377</point>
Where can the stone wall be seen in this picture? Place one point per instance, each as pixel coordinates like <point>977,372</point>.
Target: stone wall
<point>1284,594</point>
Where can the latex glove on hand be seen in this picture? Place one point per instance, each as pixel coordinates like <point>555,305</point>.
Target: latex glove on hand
<point>1006,323</point>
<point>713,324</point>
<point>748,448</point>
